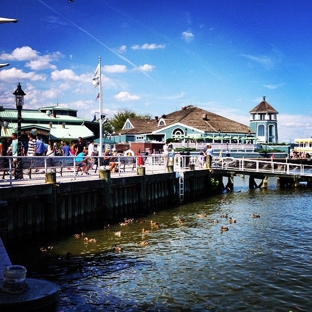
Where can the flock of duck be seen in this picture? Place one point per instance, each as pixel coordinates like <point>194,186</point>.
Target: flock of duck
<point>154,226</point>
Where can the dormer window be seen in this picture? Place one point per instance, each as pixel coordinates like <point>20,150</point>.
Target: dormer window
<point>161,122</point>
<point>127,125</point>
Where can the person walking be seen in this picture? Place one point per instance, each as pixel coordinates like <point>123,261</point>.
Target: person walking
<point>32,145</point>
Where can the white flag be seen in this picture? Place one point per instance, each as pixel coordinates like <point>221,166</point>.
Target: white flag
<point>96,77</point>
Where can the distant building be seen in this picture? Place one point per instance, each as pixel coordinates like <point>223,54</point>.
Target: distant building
<point>53,122</point>
<point>263,122</point>
<point>188,123</point>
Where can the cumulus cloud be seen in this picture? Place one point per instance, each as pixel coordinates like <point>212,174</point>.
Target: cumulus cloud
<point>187,36</point>
<point>69,75</point>
<point>147,46</point>
<point>35,60</point>
<point>126,96</point>
<point>14,74</point>
<point>145,68</point>
<point>122,49</point>
<point>115,69</point>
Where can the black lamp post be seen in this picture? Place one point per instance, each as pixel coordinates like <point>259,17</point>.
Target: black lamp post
<point>19,101</point>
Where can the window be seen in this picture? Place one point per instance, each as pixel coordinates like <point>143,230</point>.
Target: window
<point>261,130</point>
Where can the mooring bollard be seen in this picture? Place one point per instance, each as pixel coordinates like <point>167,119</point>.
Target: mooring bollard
<point>141,171</point>
<point>192,166</point>
<point>50,177</point>
<point>170,168</point>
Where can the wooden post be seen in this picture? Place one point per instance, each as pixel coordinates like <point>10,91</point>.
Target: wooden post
<point>50,177</point>
<point>104,174</point>
<point>170,168</point>
<point>265,182</point>
<point>141,171</point>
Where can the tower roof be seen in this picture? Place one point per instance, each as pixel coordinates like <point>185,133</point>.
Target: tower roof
<point>263,107</point>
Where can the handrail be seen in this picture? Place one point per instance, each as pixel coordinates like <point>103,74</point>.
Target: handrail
<point>154,164</point>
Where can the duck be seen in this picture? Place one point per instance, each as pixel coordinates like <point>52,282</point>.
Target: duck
<point>224,215</point>
<point>45,249</point>
<point>215,221</point>
<point>143,243</point>
<point>255,215</point>
<point>181,221</point>
<point>224,228</point>
<point>92,240</point>
<point>232,220</point>
<point>145,231</point>
<point>117,233</point>
<point>202,215</point>
<point>117,248</point>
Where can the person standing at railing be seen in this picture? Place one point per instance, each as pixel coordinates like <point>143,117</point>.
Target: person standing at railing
<point>91,152</point>
<point>139,159</point>
<point>166,154</point>
<point>65,149</point>
<point>208,152</point>
<point>14,149</point>
<point>50,152</point>
<point>40,148</point>
<point>32,146</point>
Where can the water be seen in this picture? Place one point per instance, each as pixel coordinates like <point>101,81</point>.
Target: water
<point>259,264</point>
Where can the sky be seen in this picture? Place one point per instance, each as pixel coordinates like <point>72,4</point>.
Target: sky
<point>157,56</point>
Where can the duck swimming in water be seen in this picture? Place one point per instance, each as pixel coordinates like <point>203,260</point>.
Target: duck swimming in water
<point>224,228</point>
<point>255,215</point>
<point>232,220</point>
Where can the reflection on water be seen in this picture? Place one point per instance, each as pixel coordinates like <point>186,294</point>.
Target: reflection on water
<point>259,264</point>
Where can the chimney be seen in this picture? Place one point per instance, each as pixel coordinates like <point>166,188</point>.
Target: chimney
<point>63,125</point>
<point>205,117</point>
<point>156,118</point>
<point>50,124</point>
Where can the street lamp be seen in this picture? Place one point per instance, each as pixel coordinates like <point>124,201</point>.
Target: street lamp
<point>19,101</point>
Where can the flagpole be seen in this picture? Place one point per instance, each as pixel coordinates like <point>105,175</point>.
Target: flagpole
<point>100,109</point>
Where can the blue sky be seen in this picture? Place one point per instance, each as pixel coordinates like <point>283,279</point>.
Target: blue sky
<point>158,56</point>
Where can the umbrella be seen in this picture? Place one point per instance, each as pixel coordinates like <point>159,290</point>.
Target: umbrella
<point>218,137</point>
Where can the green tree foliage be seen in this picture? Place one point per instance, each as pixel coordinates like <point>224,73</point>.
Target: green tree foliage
<point>120,118</point>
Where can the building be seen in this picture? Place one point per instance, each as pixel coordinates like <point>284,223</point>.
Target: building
<point>189,123</point>
<point>263,122</point>
<point>53,122</point>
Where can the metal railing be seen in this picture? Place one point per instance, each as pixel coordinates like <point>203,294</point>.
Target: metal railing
<point>36,167</point>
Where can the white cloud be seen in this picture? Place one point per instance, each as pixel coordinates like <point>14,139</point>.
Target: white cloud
<point>187,36</point>
<point>147,46</point>
<point>122,49</point>
<point>14,74</point>
<point>126,96</point>
<point>272,86</point>
<point>145,68</point>
<point>115,69</point>
<point>69,75</point>
<point>35,60</point>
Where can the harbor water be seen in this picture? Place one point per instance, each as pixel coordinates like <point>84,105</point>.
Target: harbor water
<point>258,264</point>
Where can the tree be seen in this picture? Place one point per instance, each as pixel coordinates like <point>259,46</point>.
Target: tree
<point>120,118</point>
